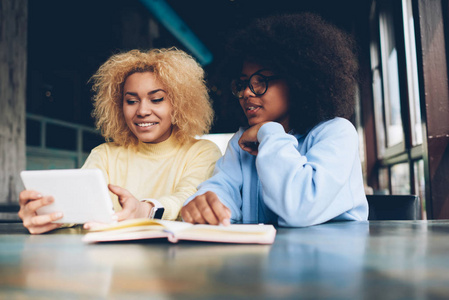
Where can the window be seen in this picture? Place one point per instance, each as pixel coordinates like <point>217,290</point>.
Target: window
<point>412,73</point>
<point>384,181</point>
<point>389,63</point>
<point>396,101</point>
<point>420,186</point>
<point>400,179</point>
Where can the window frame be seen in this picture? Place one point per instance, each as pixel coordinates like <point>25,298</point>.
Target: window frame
<point>407,151</point>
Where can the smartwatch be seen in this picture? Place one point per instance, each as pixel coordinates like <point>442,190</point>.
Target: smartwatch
<point>157,211</point>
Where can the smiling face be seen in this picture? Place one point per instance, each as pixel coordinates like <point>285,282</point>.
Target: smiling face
<point>271,106</point>
<point>146,108</point>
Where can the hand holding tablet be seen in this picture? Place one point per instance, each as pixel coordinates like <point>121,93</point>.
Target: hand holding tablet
<point>80,194</point>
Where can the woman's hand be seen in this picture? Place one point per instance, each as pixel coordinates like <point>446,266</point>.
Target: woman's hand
<point>30,202</point>
<point>248,141</point>
<point>206,209</point>
<point>131,207</point>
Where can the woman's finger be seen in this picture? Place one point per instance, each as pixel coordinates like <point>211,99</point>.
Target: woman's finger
<point>250,147</point>
<point>42,219</point>
<point>185,214</point>
<point>193,214</point>
<point>119,191</point>
<point>222,213</point>
<point>28,195</point>
<point>44,228</point>
<point>34,205</point>
<point>206,211</point>
<point>122,215</point>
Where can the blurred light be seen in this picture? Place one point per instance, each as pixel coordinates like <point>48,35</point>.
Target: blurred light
<point>168,17</point>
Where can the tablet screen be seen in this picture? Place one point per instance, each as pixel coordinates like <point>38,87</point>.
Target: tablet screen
<point>80,194</point>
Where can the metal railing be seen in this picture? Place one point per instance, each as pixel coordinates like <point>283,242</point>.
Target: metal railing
<point>44,157</point>
<point>74,158</point>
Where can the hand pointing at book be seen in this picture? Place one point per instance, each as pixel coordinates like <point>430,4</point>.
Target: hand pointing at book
<point>131,207</point>
<point>206,209</point>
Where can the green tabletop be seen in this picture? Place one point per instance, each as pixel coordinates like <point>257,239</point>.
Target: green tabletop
<point>345,260</point>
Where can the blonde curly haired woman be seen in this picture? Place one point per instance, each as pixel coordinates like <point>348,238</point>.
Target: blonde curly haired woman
<point>149,107</point>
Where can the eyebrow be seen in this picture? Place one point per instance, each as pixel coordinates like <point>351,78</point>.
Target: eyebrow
<point>244,75</point>
<point>149,94</point>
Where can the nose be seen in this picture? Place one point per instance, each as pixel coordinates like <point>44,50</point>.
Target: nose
<point>144,109</point>
<point>247,92</point>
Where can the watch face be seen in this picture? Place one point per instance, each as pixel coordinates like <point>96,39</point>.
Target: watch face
<point>158,213</point>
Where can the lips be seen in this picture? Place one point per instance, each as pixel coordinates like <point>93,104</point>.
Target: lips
<point>251,109</point>
<point>145,124</point>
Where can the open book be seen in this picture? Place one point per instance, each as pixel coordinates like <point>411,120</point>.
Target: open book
<point>139,229</point>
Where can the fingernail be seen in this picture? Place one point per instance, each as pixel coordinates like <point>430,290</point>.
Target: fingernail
<point>39,196</point>
<point>226,222</point>
<point>58,215</point>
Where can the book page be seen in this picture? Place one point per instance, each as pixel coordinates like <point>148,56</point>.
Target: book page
<point>133,229</point>
<point>175,226</point>
<point>174,231</point>
<point>234,228</point>
<point>128,223</point>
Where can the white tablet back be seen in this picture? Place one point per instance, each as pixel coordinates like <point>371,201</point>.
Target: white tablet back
<point>80,194</point>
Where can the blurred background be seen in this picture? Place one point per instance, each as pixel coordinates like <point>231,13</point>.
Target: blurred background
<point>68,40</point>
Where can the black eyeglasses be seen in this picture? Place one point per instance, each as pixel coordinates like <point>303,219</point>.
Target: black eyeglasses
<point>258,84</point>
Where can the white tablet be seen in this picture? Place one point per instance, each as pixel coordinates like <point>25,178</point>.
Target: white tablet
<point>80,194</point>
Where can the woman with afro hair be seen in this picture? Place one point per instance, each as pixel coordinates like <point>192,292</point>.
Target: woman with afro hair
<point>149,107</point>
<point>297,163</point>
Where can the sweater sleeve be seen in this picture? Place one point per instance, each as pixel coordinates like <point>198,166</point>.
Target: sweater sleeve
<point>302,189</point>
<point>97,160</point>
<point>201,161</point>
<point>226,181</point>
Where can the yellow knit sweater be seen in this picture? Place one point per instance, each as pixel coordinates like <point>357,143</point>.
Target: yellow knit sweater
<point>166,171</point>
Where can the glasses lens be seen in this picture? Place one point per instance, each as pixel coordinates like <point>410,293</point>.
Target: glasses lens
<point>258,84</point>
<point>237,87</point>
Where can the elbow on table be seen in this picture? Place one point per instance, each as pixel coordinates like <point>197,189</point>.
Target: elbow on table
<point>312,217</point>
<point>300,221</point>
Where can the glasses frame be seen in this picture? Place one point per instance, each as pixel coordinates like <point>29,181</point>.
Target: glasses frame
<point>266,80</point>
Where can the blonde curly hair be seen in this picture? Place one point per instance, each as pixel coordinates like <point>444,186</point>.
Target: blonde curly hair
<point>182,78</point>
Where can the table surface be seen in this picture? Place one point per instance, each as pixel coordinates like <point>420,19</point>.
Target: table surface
<point>344,260</point>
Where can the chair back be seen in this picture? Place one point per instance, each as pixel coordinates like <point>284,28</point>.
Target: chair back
<point>392,207</point>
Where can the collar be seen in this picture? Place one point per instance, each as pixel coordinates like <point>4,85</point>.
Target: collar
<point>159,149</point>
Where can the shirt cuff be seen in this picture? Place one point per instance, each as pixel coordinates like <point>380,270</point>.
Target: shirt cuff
<point>269,129</point>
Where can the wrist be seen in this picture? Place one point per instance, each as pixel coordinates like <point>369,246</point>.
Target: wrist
<point>146,208</point>
<point>156,210</point>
